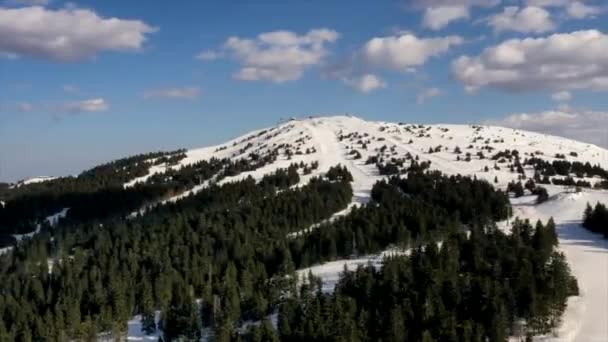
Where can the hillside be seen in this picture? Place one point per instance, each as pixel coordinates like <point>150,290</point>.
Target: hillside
<point>335,140</point>
<point>286,179</point>
<point>331,140</point>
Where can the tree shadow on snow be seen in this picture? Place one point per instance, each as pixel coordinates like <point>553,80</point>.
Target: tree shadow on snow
<point>573,233</point>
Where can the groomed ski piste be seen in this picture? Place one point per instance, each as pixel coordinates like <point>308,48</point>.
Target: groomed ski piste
<point>349,141</point>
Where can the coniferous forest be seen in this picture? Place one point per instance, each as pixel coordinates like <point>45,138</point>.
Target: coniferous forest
<point>596,219</point>
<point>227,255</point>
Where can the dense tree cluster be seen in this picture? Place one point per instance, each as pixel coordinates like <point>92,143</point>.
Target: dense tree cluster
<point>100,193</point>
<point>485,287</point>
<point>544,170</point>
<point>27,204</point>
<point>516,188</point>
<point>596,219</point>
<point>226,246</point>
<point>339,173</point>
<point>227,255</point>
<point>422,207</point>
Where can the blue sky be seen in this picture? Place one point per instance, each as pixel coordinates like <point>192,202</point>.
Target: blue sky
<point>89,81</point>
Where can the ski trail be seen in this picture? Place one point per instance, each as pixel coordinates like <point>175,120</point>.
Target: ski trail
<point>331,152</point>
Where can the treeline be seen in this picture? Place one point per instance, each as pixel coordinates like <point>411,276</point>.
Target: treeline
<point>26,205</point>
<point>485,287</point>
<point>96,195</point>
<point>226,246</point>
<point>566,168</point>
<point>225,256</point>
<point>112,174</point>
<point>596,219</point>
<point>420,208</point>
<point>100,193</point>
<point>544,170</point>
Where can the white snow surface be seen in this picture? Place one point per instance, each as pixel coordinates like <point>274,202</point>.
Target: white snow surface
<point>32,180</point>
<point>586,318</point>
<point>587,315</point>
<point>321,133</point>
<point>330,272</point>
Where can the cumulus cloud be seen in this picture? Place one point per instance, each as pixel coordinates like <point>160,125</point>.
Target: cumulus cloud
<point>439,17</point>
<point>402,52</point>
<point>67,34</point>
<point>579,10</point>
<point>573,9</point>
<point>405,51</point>
<point>564,61</point>
<point>562,96</point>
<point>84,106</point>
<point>188,93</point>
<point>366,83</point>
<point>277,56</point>
<point>529,19</point>
<point>584,125</point>
<point>427,94</point>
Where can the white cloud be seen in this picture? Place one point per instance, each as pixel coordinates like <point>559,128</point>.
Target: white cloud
<point>529,19</point>
<point>366,83</point>
<point>92,105</point>
<point>565,61</point>
<point>405,51</point>
<point>579,10</point>
<point>574,9</point>
<point>427,94</point>
<point>67,34</point>
<point>402,52</point>
<point>439,17</point>
<point>188,93</point>
<point>584,125</point>
<point>562,96</point>
<point>277,56</point>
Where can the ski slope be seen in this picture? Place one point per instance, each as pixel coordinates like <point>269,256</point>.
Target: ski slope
<point>586,318</point>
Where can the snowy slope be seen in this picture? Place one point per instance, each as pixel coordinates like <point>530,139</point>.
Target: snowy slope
<point>586,318</point>
<point>33,180</point>
<point>333,140</point>
<point>321,135</point>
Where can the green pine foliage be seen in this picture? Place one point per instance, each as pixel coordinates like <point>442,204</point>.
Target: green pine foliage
<point>226,246</point>
<point>596,219</point>
<point>472,288</point>
<point>212,261</point>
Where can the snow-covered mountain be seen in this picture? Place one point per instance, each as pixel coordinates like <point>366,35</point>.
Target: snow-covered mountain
<point>350,141</point>
<point>366,148</point>
<point>451,149</point>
